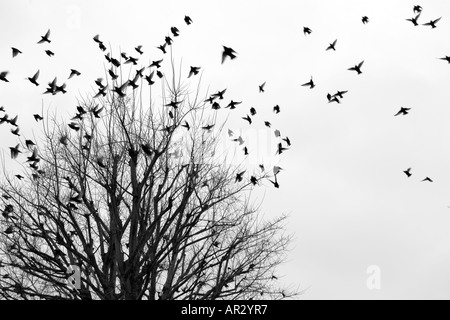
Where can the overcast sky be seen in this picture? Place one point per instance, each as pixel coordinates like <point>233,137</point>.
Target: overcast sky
<point>350,204</point>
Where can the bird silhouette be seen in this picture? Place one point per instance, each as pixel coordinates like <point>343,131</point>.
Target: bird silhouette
<point>121,90</point>
<point>173,104</point>
<point>45,38</point>
<point>4,119</point>
<point>275,183</point>
<point>193,71</point>
<point>253,180</point>
<point>159,74</point>
<point>432,23</point>
<point>34,78</point>
<point>310,83</point>
<point>239,176</point>
<point>18,176</point>
<point>365,19</point>
<point>219,94</point>
<point>15,151</point>
<point>162,48</point>
<point>49,53</point>
<point>188,20</point>
<point>149,78</point>
<point>357,67</point>
<point>332,98</point>
<point>261,87</point>
<point>37,117</point>
<point>186,125</point>
<point>417,8</point>
<point>74,126</point>
<point>147,149</point>
<point>34,156</point>
<point>402,111</point>
<point>123,55</point>
<point>427,179</point>
<point>414,20</point>
<point>332,46</point>
<point>139,49</point>
<point>3,75</point>
<point>132,60</point>
<point>215,106</point>
<point>276,109</point>
<point>2,108</point>
<point>64,139</point>
<point>232,105</point>
<point>168,40</point>
<point>248,119</point>
<point>267,124</point>
<point>15,132</point>
<point>96,111</point>
<point>240,140</point>
<point>245,151</point>
<point>15,52</point>
<point>13,121</point>
<point>276,170</point>
<point>288,142</point>
<point>277,133</point>
<point>446,58</point>
<point>280,149</point>
<point>208,127</point>
<point>252,111</point>
<point>408,172</point>
<point>306,30</point>
<point>73,73</point>
<point>112,74</point>
<point>29,143</point>
<point>228,52</point>
<point>175,31</point>
<point>340,94</point>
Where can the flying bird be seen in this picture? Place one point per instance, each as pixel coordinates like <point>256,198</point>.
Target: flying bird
<point>332,45</point>
<point>139,49</point>
<point>267,124</point>
<point>446,58</point>
<point>340,94</point>
<point>15,151</point>
<point>168,40</point>
<point>37,117</point>
<point>232,105</point>
<point>193,71</point>
<point>15,132</point>
<point>159,74</point>
<point>427,179</point>
<point>215,106</point>
<point>332,98</point>
<point>280,149</point>
<point>186,125</point>
<point>3,75</point>
<point>162,48</point>
<point>175,31</point>
<point>13,121</point>
<point>49,53</point>
<point>432,23</point>
<point>15,52</point>
<point>34,78</point>
<point>188,20</point>
<point>252,111</point>
<point>408,172</point>
<point>417,8</point>
<point>149,78</point>
<point>306,30</point>
<point>112,74</point>
<point>29,143</point>
<point>276,109</point>
<point>365,19</point>
<point>208,127</point>
<point>228,52</point>
<point>275,183</point>
<point>357,67</point>
<point>414,20</point>
<point>261,87</point>
<point>287,141</point>
<point>219,94</point>
<point>276,170</point>
<point>248,119</point>
<point>73,73</point>
<point>310,83</point>
<point>45,38</point>
<point>402,111</point>
<point>239,176</point>
<point>173,104</point>
<point>18,176</point>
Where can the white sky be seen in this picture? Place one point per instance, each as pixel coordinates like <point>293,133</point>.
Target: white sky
<point>349,202</point>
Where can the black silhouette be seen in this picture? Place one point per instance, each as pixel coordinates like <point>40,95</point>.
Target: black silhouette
<point>175,31</point>
<point>15,52</point>
<point>417,8</point>
<point>194,71</point>
<point>427,179</point>
<point>332,98</point>
<point>357,68</point>
<point>287,141</point>
<point>149,78</point>
<point>276,109</point>
<point>248,119</point>
<point>139,49</point>
<point>156,64</point>
<point>208,127</point>
<point>245,151</point>
<point>340,94</point>
<point>365,19</point>
<point>15,132</point>
<point>414,20</point>
<point>275,183</point>
<point>310,83</point>
<point>402,111</point>
<point>306,30</point>
<point>49,53</point>
<point>267,124</point>
<point>15,151</point>
<point>159,74</point>
<point>131,60</point>
<point>3,75</point>
<point>168,40</point>
<point>280,149</point>
<point>37,117</point>
<point>446,58</point>
<point>408,172</point>
<point>45,38</point>
<point>73,73</point>
<point>186,125</point>
<point>34,78</point>
<point>228,52</point>
<point>219,94</point>
<point>112,74</point>
<point>252,111</point>
<point>232,105</point>
<point>332,45</point>
<point>239,176</point>
<point>162,48</point>
<point>173,104</point>
<point>261,87</point>
<point>13,121</point>
<point>188,20</point>
<point>432,23</point>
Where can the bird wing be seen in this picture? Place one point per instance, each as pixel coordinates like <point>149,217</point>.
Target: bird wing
<point>36,75</point>
<point>435,21</point>
<point>360,64</point>
<point>428,24</point>
<point>47,34</point>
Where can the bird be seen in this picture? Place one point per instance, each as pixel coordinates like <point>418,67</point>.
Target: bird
<point>18,176</point>
<point>173,104</point>
<point>417,8</point>
<point>365,19</point>
<point>340,94</point>
<point>280,149</point>
<point>261,87</point>
<point>120,90</point>
<point>15,52</point>
<point>239,176</point>
<point>276,170</point>
<point>149,78</point>
<point>74,126</point>
<point>306,30</point>
<point>267,124</point>
<point>147,149</point>
<point>332,98</point>
<point>159,74</point>
<point>13,121</point>
<point>4,119</point>
<point>427,179</point>
<point>252,111</point>
<point>186,125</point>
<point>194,71</point>
<point>310,83</point>
<point>275,183</point>
<point>64,139</point>
<point>245,151</point>
<point>29,143</point>
<point>37,117</point>
<point>45,38</point>
<point>175,31</point>
<point>162,48</point>
<point>230,133</point>
<point>277,133</point>
<point>3,75</point>
<point>15,151</point>
<point>446,58</point>
<point>208,127</point>
<point>131,60</point>
<point>402,111</point>
<point>408,172</point>
<point>414,20</point>
<point>49,53</point>
<point>112,74</point>
<point>332,45</point>
<point>139,49</point>
<point>253,180</point>
<point>248,119</point>
<point>215,106</point>
<point>168,40</point>
<point>74,72</point>
<point>15,132</point>
<point>156,63</point>
<point>219,94</point>
<point>34,78</point>
<point>228,52</point>
<point>233,104</point>
<point>188,20</point>
<point>2,108</point>
<point>432,23</point>
<point>357,67</point>
<point>96,111</point>
<point>34,157</point>
<point>276,109</point>
<point>100,162</point>
<point>286,139</point>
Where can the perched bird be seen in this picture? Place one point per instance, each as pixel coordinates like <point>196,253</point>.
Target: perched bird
<point>175,31</point>
<point>253,180</point>
<point>159,74</point>
<point>332,46</point>
<point>45,38</point>
<point>252,111</point>
<point>162,48</point>
<point>414,20</point>
<point>49,53</point>
<point>232,105</point>
<point>417,8</point>
<point>15,151</point>
<point>310,83</point>
<point>228,52</point>
<point>139,49</point>
<point>402,111</point>
<point>408,172</point>
<point>306,30</point>
<point>432,23</point>
<point>74,72</point>
<point>248,119</point>
<point>37,117</point>
<point>15,52</point>
<point>3,75</point>
<point>239,176</point>
<point>267,124</point>
<point>188,20</point>
<point>365,19</point>
<point>357,67</point>
<point>261,87</point>
<point>219,94</point>
<point>446,58</point>
<point>194,71</point>
<point>276,109</point>
<point>427,179</point>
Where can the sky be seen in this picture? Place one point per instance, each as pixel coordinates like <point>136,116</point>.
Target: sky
<point>351,208</point>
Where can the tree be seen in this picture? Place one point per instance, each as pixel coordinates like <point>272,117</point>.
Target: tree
<point>135,196</point>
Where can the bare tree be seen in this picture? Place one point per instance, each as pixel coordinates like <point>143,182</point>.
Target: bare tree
<point>136,195</point>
